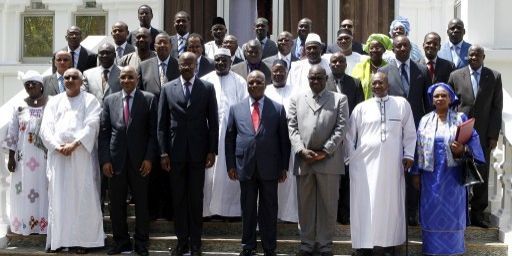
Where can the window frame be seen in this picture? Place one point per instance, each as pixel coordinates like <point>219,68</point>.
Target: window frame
<point>96,11</point>
<point>35,13</point>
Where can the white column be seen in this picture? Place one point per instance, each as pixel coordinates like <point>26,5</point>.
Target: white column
<point>10,51</point>
<point>277,18</point>
<point>479,17</point>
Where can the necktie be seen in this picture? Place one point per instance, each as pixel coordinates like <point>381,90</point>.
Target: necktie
<point>187,91</point>
<point>73,58</point>
<point>61,84</point>
<point>119,51</point>
<point>456,55</point>
<point>301,50</point>
<point>405,79</point>
<point>126,109</point>
<point>104,79</point>
<point>474,82</point>
<point>339,86</point>
<point>431,70</point>
<point>163,77</point>
<point>255,115</point>
<point>181,45</point>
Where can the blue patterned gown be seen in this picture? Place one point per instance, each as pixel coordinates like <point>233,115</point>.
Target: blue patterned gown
<point>443,201</point>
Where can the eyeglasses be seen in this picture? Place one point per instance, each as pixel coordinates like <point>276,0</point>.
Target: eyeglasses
<point>75,77</point>
<point>62,60</point>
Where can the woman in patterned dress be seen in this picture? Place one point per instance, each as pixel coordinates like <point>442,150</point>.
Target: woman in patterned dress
<point>27,161</point>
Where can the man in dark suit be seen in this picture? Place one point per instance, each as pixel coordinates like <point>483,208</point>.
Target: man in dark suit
<point>480,92</point>
<point>179,40</point>
<point>82,58</point>
<point>126,146</point>
<point>342,83</point>
<point>54,83</point>
<point>188,134</point>
<point>410,80</point>
<point>120,35</point>
<point>303,29</point>
<point>284,46</point>
<point>195,44</point>
<point>257,154</point>
<point>145,15</point>
<point>261,28</point>
<point>439,69</point>
<point>155,72</point>
<point>252,53</point>
<point>231,42</point>
<point>456,49</point>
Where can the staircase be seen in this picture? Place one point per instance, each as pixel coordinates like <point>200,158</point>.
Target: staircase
<point>223,238</point>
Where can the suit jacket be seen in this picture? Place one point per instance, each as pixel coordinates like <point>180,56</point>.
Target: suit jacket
<point>266,150</point>
<point>269,49</point>
<point>154,32</point>
<point>51,85</point>
<point>270,60</point>
<point>174,42</point>
<point>241,69</point>
<point>86,59</point>
<point>236,61</point>
<point>187,131</point>
<point>205,66</point>
<point>488,105</point>
<point>442,70</point>
<point>446,53</point>
<point>318,125</point>
<point>93,82</point>
<point>128,49</point>
<point>350,86</point>
<point>149,73</point>
<point>419,81</point>
<point>118,143</point>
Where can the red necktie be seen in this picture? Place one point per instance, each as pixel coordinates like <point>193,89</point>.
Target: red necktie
<point>431,70</point>
<point>255,115</point>
<point>126,109</point>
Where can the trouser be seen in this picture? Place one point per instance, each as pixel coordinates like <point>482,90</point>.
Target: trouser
<point>344,198</point>
<point>480,198</point>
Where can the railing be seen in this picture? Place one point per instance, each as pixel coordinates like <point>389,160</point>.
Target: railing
<point>500,177</point>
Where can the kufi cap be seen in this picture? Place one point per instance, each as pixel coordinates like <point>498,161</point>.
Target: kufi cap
<point>30,75</point>
<point>223,51</point>
<point>313,38</point>
<point>218,20</point>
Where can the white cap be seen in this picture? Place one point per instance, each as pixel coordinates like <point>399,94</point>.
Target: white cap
<point>313,38</point>
<point>30,75</point>
<point>223,51</point>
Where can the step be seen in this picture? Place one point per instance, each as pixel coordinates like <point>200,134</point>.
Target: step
<point>286,245</point>
<point>219,228</point>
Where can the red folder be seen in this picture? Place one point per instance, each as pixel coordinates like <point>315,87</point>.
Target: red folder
<point>464,131</point>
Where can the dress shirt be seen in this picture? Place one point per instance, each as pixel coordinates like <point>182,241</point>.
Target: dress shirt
<point>123,46</point>
<point>297,47</point>
<point>263,42</point>
<point>407,68</point>
<point>76,54</point>
<point>455,50</point>
<point>287,58</point>
<point>260,104</point>
<point>475,80</point>
<point>183,81</point>
<point>130,102</point>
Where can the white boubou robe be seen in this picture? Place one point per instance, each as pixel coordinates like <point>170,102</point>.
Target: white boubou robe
<point>75,217</point>
<point>298,75</point>
<point>375,149</point>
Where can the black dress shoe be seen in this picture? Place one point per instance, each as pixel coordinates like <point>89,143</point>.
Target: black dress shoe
<point>269,253</point>
<point>326,254</point>
<point>412,221</point>
<point>304,253</point>
<point>141,250</point>
<point>120,248</point>
<point>247,252</point>
<point>480,222</point>
<point>179,250</point>
<point>195,251</point>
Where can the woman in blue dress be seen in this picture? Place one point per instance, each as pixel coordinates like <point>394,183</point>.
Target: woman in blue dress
<point>444,198</point>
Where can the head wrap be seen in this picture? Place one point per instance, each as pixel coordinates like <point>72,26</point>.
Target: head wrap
<point>381,38</point>
<point>280,62</point>
<point>223,51</point>
<point>400,21</point>
<point>454,100</point>
<point>30,75</point>
<point>313,38</point>
<point>218,20</point>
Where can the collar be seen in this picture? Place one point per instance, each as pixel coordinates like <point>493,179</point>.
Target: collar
<point>382,99</point>
<point>407,63</point>
<point>191,80</point>
<point>58,75</point>
<point>109,69</point>
<point>77,50</point>
<point>434,60</point>
<point>338,79</point>
<point>184,37</point>
<point>287,57</point>
<point>458,45</point>
<point>260,101</point>
<point>320,94</point>
<point>479,70</point>
<point>131,94</point>
<point>198,61</point>
<point>166,61</point>
<point>264,41</point>
<point>123,45</point>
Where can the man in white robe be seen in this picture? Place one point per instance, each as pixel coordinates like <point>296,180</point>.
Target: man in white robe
<point>380,144</point>
<point>281,93</point>
<point>222,195</point>
<point>298,76</point>
<point>69,131</point>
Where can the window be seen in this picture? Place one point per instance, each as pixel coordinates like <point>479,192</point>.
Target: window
<point>37,34</point>
<point>91,19</point>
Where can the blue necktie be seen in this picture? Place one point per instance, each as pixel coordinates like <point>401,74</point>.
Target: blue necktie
<point>61,84</point>
<point>181,45</point>
<point>474,82</point>
<point>187,92</point>
<point>405,79</point>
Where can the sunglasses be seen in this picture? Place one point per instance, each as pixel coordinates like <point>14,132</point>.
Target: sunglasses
<point>27,83</point>
<point>75,77</point>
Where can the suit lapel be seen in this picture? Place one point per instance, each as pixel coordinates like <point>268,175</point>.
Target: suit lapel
<point>483,82</point>
<point>156,71</point>
<point>313,104</point>
<point>467,80</point>
<point>179,94</point>
<point>55,84</point>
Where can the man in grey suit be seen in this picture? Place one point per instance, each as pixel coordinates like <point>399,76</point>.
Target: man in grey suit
<point>261,28</point>
<point>54,83</point>
<point>257,154</point>
<point>120,35</point>
<point>188,134</point>
<point>284,47</point>
<point>103,79</point>
<point>179,40</point>
<point>410,80</point>
<point>480,92</point>
<point>317,125</point>
<point>252,54</point>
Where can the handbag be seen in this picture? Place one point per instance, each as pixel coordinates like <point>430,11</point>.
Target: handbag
<point>470,174</point>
